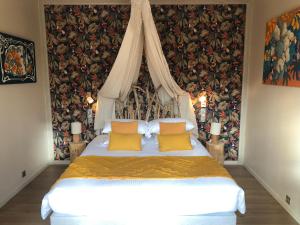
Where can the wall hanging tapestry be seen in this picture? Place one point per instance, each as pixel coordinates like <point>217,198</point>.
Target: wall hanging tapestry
<point>282,50</point>
<point>17,60</point>
<point>203,46</point>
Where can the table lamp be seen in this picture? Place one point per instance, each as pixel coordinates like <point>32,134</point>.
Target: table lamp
<point>76,131</point>
<point>203,104</point>
<point>90,101</point>
<point>215,130</point>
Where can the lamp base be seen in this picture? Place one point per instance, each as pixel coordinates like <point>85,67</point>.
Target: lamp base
<point>76,138</point>
<point>214,139</point>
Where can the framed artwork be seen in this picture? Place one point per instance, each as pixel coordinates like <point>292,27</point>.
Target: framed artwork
<point>282,50</point>
<point>17,60</point>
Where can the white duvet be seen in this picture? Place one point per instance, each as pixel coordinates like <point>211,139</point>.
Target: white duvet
<point>91,197</point>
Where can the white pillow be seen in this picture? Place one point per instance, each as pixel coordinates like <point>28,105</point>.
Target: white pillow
<point>142,125</point>
<point>153,126</point>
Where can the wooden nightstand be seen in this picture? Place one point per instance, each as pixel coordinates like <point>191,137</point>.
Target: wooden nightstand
<point>216,150</point>
<point>76,149</point>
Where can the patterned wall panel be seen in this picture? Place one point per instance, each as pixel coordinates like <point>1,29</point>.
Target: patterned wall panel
<point>203,45</point>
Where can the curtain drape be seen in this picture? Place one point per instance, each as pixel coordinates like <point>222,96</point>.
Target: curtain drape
<point>141,32</point>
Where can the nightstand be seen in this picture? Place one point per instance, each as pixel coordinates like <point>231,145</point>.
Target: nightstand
<point>216,150</point>
<point>76,149</point>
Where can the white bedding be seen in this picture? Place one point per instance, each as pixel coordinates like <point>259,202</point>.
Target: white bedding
<point>150,148</point>
<point>91,197</point>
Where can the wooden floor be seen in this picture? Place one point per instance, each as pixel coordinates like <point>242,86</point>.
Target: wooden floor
<point>262,209</point>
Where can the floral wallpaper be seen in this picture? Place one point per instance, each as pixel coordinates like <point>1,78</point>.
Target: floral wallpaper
<point>203,45</point>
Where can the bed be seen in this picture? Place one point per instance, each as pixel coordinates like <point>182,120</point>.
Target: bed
<point>205,201</point>
<point>184,200</point>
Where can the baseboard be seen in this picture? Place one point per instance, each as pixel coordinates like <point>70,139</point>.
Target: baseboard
<point>21,186</point>
<point>59,162</point>
<point>232,163</point>
<point>273,193</point>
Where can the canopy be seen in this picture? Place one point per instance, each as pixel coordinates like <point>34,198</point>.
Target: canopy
<point>141,32</point>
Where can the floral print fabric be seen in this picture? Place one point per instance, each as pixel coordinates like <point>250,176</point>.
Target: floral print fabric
<point>203,45</point>
<point>282,46</point>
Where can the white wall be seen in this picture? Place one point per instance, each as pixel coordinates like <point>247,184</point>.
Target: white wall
<point>23,134</point>
<point>272,146</point>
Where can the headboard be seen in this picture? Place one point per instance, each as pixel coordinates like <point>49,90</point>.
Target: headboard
<point>144,104</point>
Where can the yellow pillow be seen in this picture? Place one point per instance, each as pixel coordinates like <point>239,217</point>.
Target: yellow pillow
<point>124,127</point>
<point>174,142</point>
<point>132,142</point>
<point>172,128</point>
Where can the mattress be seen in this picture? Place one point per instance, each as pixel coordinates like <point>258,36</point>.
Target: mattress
<point>195,196</point>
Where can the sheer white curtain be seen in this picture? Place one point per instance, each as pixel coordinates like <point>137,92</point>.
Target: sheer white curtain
<point>141,31</point>
<point>125,69</point>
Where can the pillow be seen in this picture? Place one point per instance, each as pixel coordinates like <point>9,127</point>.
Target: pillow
<point>171,128</point>
<point>104,140</point>
<point>142,125</point>
<point>174,142</point>
<point>192,139</point>
<point>126,142</point>
<point>124,127</point>
<point>153,126</point>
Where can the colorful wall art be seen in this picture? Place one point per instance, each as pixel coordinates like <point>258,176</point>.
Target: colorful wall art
<point>282,50</point>
<point>17,60</point>
<point>203,45</point>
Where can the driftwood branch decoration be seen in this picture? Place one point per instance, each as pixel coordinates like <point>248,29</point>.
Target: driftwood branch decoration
<point>142,104</point>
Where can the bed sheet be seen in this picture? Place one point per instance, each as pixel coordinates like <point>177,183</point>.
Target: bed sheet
<point>98,147</point>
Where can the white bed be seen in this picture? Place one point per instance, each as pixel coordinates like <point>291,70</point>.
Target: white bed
<point>184,199</point>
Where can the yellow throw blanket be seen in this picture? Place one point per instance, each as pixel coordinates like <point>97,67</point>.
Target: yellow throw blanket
<point>150,167</point>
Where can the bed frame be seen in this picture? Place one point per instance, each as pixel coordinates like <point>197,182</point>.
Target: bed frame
<point>228,218</point>
<point>143,103</point>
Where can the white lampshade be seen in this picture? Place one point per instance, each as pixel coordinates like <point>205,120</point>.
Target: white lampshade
<point>76,128</point>
<point>215,128</point>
